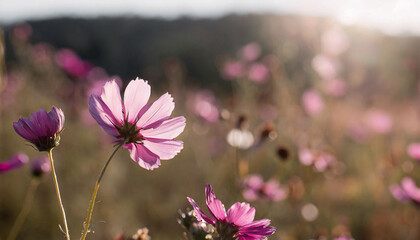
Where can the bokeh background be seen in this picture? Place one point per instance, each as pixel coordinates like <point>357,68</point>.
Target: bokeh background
<point>320,99</point>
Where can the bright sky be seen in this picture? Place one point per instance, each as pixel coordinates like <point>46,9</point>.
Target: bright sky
<point>391,16</point>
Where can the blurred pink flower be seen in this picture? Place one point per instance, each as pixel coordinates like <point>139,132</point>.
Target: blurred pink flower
<point>203,104</point>
<point>237,223</point>
<point>344,238</point>
<point>413,150</point>
<point>320,160</point>
<point>325,67</point>
<point>40,166</point>
<point>251,51</point>
<point>72,64</point>
<point>258,73</point>
<point>22,31</point>
<point>232,70</point>
<point>334,42</point>
<point>312,102</point>
<point>336,87</point>
<point>407,191</point>
<point>13,163</point>
<point>254,188</point>
<point>145,129</point>
<point>42,129</point>
<point>378,121</point>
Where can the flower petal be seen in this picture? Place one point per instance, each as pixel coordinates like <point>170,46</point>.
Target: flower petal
<point>257,229</point>
<point>101,113</point>
<point>199,214</point>
<point>112,98</point>
<point>215,206</point>
<point>169,129</point>
<point>165,149</point>
<point>143,156</point>
<point>136,95</point>
<point>153,115</point>
<point>16,161</point>
<point>240,214</point>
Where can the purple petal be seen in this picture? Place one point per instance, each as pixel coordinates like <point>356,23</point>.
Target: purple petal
<point>101,113</point>
<point>399,193</point>
<point>257,229</point>
<point>136,95</point>
<point>165,149</point>
<point>15,162</point>
<point>240,214</point>
<point>24,130</point>
<point>157,112</point>
<point>216,207</point>
<point>169,129</point>
<point>409,186</point>
<point>200,215</point>
<point>144,157</point>
<point>112,98</point>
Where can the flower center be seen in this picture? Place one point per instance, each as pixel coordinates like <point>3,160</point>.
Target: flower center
<point>130,133</point>
<point>226,230</point>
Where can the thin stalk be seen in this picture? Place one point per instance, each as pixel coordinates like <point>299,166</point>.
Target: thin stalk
<point>57,191</point>
<point>95,191</point>
<point>27,203</point>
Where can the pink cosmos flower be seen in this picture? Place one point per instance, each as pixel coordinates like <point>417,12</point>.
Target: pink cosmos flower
<point>15,162</point>
<point>312,102</point>
<point>145,129</point>
<point>42,129</point>
<point>251,51</point>
<point>378,121</point>
<point>238,222</point>
<point>258,73</point>
<point>334,42</point>
<point>203,104</point>
<point>320,160</point>
<point>40,166</point>
<point>72,64</point>
<point>256,189</point>
<point>22,31</point>
<point>408,191</point>
<point>233,69</point>
<point>344,238</point>
<point>325,66</point>
<point>413,150</point>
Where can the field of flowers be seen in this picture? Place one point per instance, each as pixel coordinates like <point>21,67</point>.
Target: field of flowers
<point>315,136</point>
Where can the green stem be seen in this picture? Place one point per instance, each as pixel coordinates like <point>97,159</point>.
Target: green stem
<point>27,203</point>
<point>95,191</point>
<point>57,191</point>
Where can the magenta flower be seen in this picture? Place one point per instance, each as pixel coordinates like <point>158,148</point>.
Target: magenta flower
<point>42,129</point>
<point>312,102</point>
<point>232,70</point>
<point>238,222</point>
<point>251,51</point>
<point>379,121</point>
<point>72,64</point>
<point>255,188</point>
<point>258,73</point>
<point>40,166</point>
<point>15,162</point>
<point>413,150</point>
<point>320,160</point>
<point>145,129</point>
<point>408,191</point>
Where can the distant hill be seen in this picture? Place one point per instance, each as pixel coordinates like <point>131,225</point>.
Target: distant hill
<point>133,46</point>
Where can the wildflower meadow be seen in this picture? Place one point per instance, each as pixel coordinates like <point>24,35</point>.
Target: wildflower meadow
<point>126,129</point>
